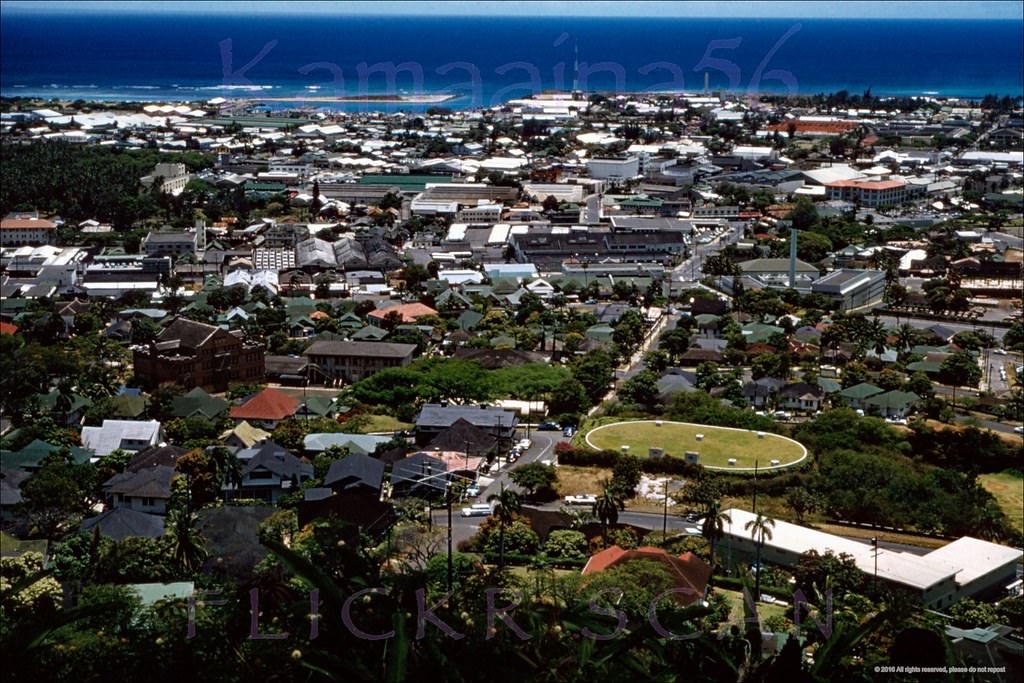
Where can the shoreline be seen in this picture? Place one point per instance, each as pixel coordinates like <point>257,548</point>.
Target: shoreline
<point>352,99</point>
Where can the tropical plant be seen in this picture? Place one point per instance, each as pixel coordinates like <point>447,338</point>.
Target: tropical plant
<point>187,545</point>
<point>506,507</point>
<point>760,529</point>
<point>607,507</point>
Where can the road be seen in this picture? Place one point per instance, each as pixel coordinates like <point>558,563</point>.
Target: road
<point>690,270</point>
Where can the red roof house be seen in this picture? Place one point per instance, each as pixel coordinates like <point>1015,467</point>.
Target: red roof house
<point>8,328</point>
<point>408,312</point>
<point>266,408</point>
<point>691,572</point>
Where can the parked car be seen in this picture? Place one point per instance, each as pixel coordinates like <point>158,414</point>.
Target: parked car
<point>583,499</point>
<point>568,432</point>
<point>548,427</point>
<point>472,491</point>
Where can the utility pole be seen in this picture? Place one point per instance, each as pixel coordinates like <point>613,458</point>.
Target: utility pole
<point>664,514</point>
<point>874,542</point>
<point>448,495</point>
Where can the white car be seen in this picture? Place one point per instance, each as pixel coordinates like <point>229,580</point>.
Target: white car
<point>584,499</point>
<point>1018,430</point>
<point>478,510</point>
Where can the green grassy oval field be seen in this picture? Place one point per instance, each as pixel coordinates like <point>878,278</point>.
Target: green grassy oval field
<point>718,446</point>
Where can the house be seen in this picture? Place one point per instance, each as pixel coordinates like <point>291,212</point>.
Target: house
<point>123,522</point>
<point>463,437</point>
<point>244,435</point>
<point>146,490</point>
<point>269,473</point>
<point>801,396</point>
<point>351,361</point>
<point>10,494</point>
<point>855,396</point>
<point>675,381</point>
<point>128,435</point>
<point>355,471</point>
<point>434,418</point>
<point>365,444</point>
<point>891,403</point>
<point>156,456</point>
<point>30,458</point>
<point>405,313</point>
<point>193,354</point>
<point>198,402</point>
<point>266,408</point>
<point>762,392</point>
<point>690,574</point>
<point>419,474</point>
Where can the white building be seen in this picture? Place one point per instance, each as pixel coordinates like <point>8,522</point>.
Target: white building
<point>174,177</point>
<point>128,435</point>
<point>623,168</point>
<point>18,232</point>
<point>483,213</point>
<point>968,567</point>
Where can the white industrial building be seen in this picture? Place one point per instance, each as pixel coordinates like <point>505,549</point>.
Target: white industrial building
<point>968,567</point>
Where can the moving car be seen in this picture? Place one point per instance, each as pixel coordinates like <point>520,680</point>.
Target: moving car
<point>568,432</point>
<point>477,510</point>
<point>548,427</point>
<point>583,499</point>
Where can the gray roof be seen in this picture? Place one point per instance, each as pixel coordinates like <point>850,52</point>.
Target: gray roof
<point>280,462</point>
<point>775,265</point>
<point>360,349</point>
<point>122,523</point>
<point>436,415</point>
<point>355,470</point>
<point>153,482</point>
<point>108,438</point>
<point>356,443</point>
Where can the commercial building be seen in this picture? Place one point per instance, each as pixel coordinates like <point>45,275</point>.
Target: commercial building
<point>851,288</point>
<point>872,193</point>
<point>968,567</point>
<point>172,244</point>
<point>621,168</point>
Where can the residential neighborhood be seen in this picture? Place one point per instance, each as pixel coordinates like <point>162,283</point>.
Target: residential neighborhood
<point>290,349</point>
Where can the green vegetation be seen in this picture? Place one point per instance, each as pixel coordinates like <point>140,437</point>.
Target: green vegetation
<point>717,447</point>
<point>1008,489</point>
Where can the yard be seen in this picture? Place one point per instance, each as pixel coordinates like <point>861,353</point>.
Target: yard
<point>764,610</point>
<point>384,423</point>
<point>718,446</point>
<point>1008,488</point>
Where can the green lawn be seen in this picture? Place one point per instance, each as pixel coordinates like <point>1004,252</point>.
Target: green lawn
<point>385,423</point>
<point>764,610</point>
<point>1008,488</point>
<point>717,447</point>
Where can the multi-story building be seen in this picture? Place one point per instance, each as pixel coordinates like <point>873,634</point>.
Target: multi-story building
<point>172,244</point>
<point>623,168</point>
<point>873,193</point>
<point>193,354</point>
<point>19,232</point>
<point>173,177</point>
<point>344,361</point>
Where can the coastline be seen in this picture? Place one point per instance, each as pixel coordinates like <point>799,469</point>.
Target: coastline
<point>353,99</point>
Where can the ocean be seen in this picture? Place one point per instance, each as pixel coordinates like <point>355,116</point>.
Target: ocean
<point>485,61</point>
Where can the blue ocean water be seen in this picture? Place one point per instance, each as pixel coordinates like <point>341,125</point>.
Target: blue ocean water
<point>488,60</point>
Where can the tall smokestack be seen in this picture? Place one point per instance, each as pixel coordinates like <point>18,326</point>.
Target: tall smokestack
<point>792,258</point>
<point>706,79</point>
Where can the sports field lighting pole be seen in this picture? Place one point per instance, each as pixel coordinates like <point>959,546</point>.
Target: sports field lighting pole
<point>755,486</point>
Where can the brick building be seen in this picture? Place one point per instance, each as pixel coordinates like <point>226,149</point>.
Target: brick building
<point>193,354</point>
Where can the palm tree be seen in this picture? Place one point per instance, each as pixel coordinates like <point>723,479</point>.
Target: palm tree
<point>876,334</point>
<point>714,526</point>
<point>505,510</point>
<point>187,543</point>
<point>905,337</point>
<point>607,507</point>
<point>760,529</point>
